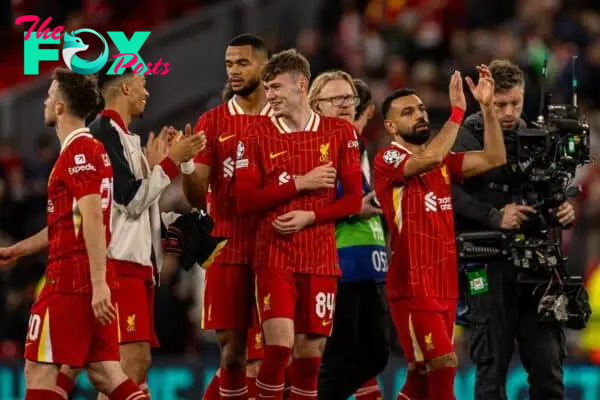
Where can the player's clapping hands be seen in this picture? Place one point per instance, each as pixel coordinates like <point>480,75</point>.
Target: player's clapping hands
<point>185,147</point>
<point>483,92</point>
<point>104,311</point>
<point>321,177</point>
<point>157,145</point>
<point>456,92</point>
<point>172,143</point>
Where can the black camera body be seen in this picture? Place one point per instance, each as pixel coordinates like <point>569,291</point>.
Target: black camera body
<point>542,265</point>
<point>541,162</point>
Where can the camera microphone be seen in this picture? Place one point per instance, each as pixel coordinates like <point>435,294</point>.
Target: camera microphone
<point>543,100</point>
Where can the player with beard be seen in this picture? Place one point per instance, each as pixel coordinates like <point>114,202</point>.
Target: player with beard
<point>140,177</point>
<point>229,305</point>
<point>72,321</point>
<point>413,183</point>
<point>226,93</point>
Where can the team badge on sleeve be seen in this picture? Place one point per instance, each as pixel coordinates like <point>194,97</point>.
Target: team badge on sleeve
<point>393,157</point>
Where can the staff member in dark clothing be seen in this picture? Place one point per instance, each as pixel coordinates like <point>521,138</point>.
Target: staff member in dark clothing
<point>506,310</point>
<point>358,349</point>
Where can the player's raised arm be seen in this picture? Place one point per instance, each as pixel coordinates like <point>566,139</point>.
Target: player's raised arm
<point>436,151</point>
<point>251,193</point>
<point>494,152</point>
<point>196,175</point>
<point>407,121</point>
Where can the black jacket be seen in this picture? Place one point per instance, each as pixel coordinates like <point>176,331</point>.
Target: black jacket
<point>477,201</point>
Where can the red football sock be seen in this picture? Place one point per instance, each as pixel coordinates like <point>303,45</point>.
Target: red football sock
<point>127,391</point>
<point>415,387</point>
<point>212,390</point>
<point>233,384</point>
<point>441,383</point>
<point>252,389</point>
<point>43,394</point>
<point>65,382</point>
<point>305,378</point>
<point>369,391</point>
<point>271,376</point>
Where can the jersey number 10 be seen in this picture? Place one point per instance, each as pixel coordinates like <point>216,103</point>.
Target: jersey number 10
<point>33,330</point>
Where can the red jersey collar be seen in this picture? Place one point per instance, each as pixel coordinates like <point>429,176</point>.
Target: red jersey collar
<point>115,116</point>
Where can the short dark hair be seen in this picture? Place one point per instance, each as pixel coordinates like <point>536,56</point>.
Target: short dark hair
<point>104,78</point>
<point>79,91</point>
<point>286,61</point>
<point>506,74</point>
<point>364,95</point>
<point>247,39</point>
<point>396,94</point>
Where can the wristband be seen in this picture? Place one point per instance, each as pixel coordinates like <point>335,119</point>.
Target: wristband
<point>457,115</point>
<point>188,167</point>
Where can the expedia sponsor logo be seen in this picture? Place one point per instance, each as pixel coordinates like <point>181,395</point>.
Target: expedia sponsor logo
<point>81,168</point>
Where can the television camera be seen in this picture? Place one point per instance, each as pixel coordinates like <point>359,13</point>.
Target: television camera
<point>541,161</point>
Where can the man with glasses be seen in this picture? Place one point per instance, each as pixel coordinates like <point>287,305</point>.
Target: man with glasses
<point>358,348</point>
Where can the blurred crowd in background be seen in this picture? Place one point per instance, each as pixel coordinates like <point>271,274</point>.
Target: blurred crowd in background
<point>390,44</point>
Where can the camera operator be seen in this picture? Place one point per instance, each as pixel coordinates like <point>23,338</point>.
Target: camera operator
<point>505,310</point>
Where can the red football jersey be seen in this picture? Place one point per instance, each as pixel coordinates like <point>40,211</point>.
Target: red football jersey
<point>82,168</point>
<point>221,125</point>
<point>419,215</point>
<point>273,152</point>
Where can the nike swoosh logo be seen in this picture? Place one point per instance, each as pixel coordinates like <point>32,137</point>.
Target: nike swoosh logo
<point>275,155</point>
<point>325,323</point>
<point>223,139</point>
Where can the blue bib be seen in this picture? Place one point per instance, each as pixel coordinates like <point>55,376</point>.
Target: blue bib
<point>361,246</point>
